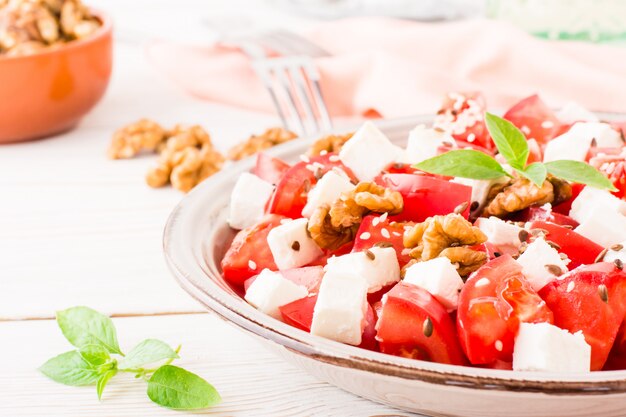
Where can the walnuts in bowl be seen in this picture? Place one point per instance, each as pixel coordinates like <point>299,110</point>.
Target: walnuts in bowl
<point>30,26</point>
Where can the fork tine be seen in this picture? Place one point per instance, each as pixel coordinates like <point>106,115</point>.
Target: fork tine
<point>264,74</point>
<point>302,86</point>
<point>313,75</point>
<point>277,68</point>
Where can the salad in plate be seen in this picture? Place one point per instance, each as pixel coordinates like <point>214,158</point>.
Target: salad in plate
<point>488,241</point>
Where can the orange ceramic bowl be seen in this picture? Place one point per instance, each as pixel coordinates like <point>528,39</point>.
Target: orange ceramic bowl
<point>49,92</point>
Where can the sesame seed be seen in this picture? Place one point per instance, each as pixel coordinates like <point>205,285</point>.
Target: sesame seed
<point>370,254</point>
<point>310,167</point>
<point>617,247</point>
<point>396,233</point>
<point>553,244</point>
<point>427,327</point>
<point>383,244</point>
<point>252,264</point>
<point>554,269</point>
<point>548,124</point>
<point>498,345</point>
<point>385,233</point>
<point>525,129</point>
<point>570,286</point>
<point>482,282</point>
<point>471,137</point>
<point>603,292</point>
<point>375,221</point>
<point>600,256</point>
<point>365,235</point>
<point>383,216</point>
<point>305,158</point>
<point>318,165</point>
<point>461,207</point>
<point>323,152</point>
<point>295,245</point>
<point>333,158</point>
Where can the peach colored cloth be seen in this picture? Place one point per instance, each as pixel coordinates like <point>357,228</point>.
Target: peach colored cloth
<point>399,68</point>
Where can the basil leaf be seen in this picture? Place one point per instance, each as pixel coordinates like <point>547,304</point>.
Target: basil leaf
<point>509,140</point>
<point>580,172</point>
<point>465,163</point>
<point>103,380</point>
<point>84,326</point>
<point>536,172</point>
<point>148,351</point>
<point>69,368</point>
<point>178,389</point>
<point>95,355</point>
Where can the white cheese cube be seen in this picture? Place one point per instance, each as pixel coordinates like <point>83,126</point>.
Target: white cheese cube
<point>327,190</point>
<point>339,312</point>
<point>615,252</point>
<point>423,143</point>
<point>291,245</point>
<point>378,266</point>
<point>591,197</point>
<point>499,232</point>
<point>270,290</point>
<point>545,347</point>
<point>247,201</point>
<point>575,143</point>
<point>369,151</point>
<point>573,112</point>
<point>603,226</point>
<point>480,188</point>
<point>534,260</point>
<point>440,278</point>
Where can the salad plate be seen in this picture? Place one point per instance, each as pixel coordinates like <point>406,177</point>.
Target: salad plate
<point>196,238</point>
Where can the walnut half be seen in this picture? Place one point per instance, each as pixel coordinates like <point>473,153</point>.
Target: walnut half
<point>271,137</point>
<point>329,143</point>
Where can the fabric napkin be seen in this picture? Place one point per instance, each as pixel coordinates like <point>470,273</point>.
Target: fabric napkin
<point>393,68</point>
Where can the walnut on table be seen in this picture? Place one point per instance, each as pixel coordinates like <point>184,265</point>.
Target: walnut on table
<point>130,140</point>
<point>335,225</point>
<point>271,137</point>
<point>329,143</point>
<point>450,236</point>
<point>520,193</point>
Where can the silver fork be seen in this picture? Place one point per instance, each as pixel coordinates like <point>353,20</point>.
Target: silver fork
<point>291,80</point>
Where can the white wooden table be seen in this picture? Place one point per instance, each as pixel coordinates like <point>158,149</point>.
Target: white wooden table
<point>78,229</point>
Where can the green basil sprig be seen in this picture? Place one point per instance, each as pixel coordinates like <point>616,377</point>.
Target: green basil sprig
<point>95,337</point>
<point>512,145</point>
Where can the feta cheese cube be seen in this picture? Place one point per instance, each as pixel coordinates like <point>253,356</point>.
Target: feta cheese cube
<point>591,197</point>
<point>537,261</point>
<point>339,312</point>
<point>378,266</point>
<point>499,232</point>
<point>247,201</point>
<point>575,143</point>
<point>603,226</point>
<point>327,190</point>
<point>369,151</point>
<point>270,290</point>
<point>480,188</point>
<point>423,143</point>
<point>545,347</point>
<point>440,278</point>
<point>573,112</point>
<point>291,245</point>
<point>615,252</point>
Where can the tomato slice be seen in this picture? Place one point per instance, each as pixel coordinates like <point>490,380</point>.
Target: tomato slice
<point>580,304</point>
<point>402,327</point>
<point>578,248</point>
<point>299,313</point>
<point>462,115</point>
<point>531,214</point>
<point>368,340</point>
<point>290,195</point>
<point>614,167</point>
<point>249,252</point>
<point>460,144</point>
<point>269,168</point>
<point>492,304</point>
<point>308,276</point>
<point>535,153</point>
<point>426,196</point>
<point>373,231</point>
<point>535,119</point>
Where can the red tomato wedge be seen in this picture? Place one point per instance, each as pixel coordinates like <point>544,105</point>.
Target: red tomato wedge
<point>299,313</point>
<point>579,302</point>
<point>614,167</point>
<point>540,214</point>
<point>535,119</point>
<point>463,145</point>
<point>578,248</point>
<point>373,231</point>
<point>249,252</point>
<point>368,340</point>
<point>535,152</point>
<point>412,320</point>
<point>308,276</point>
<point>290,195</point>
<point>492,304</point>
<point>462,114</point>
<point>426,196</point>
<point>269,168</point>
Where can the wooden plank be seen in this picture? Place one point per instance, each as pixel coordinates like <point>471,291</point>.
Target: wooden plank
<point>251,380</point>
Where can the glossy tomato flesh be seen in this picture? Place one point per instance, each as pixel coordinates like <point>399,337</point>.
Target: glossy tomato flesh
<point>373,231</point>
<point>531,214</point>
<point>269,168</point>
<point>535,119</point>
